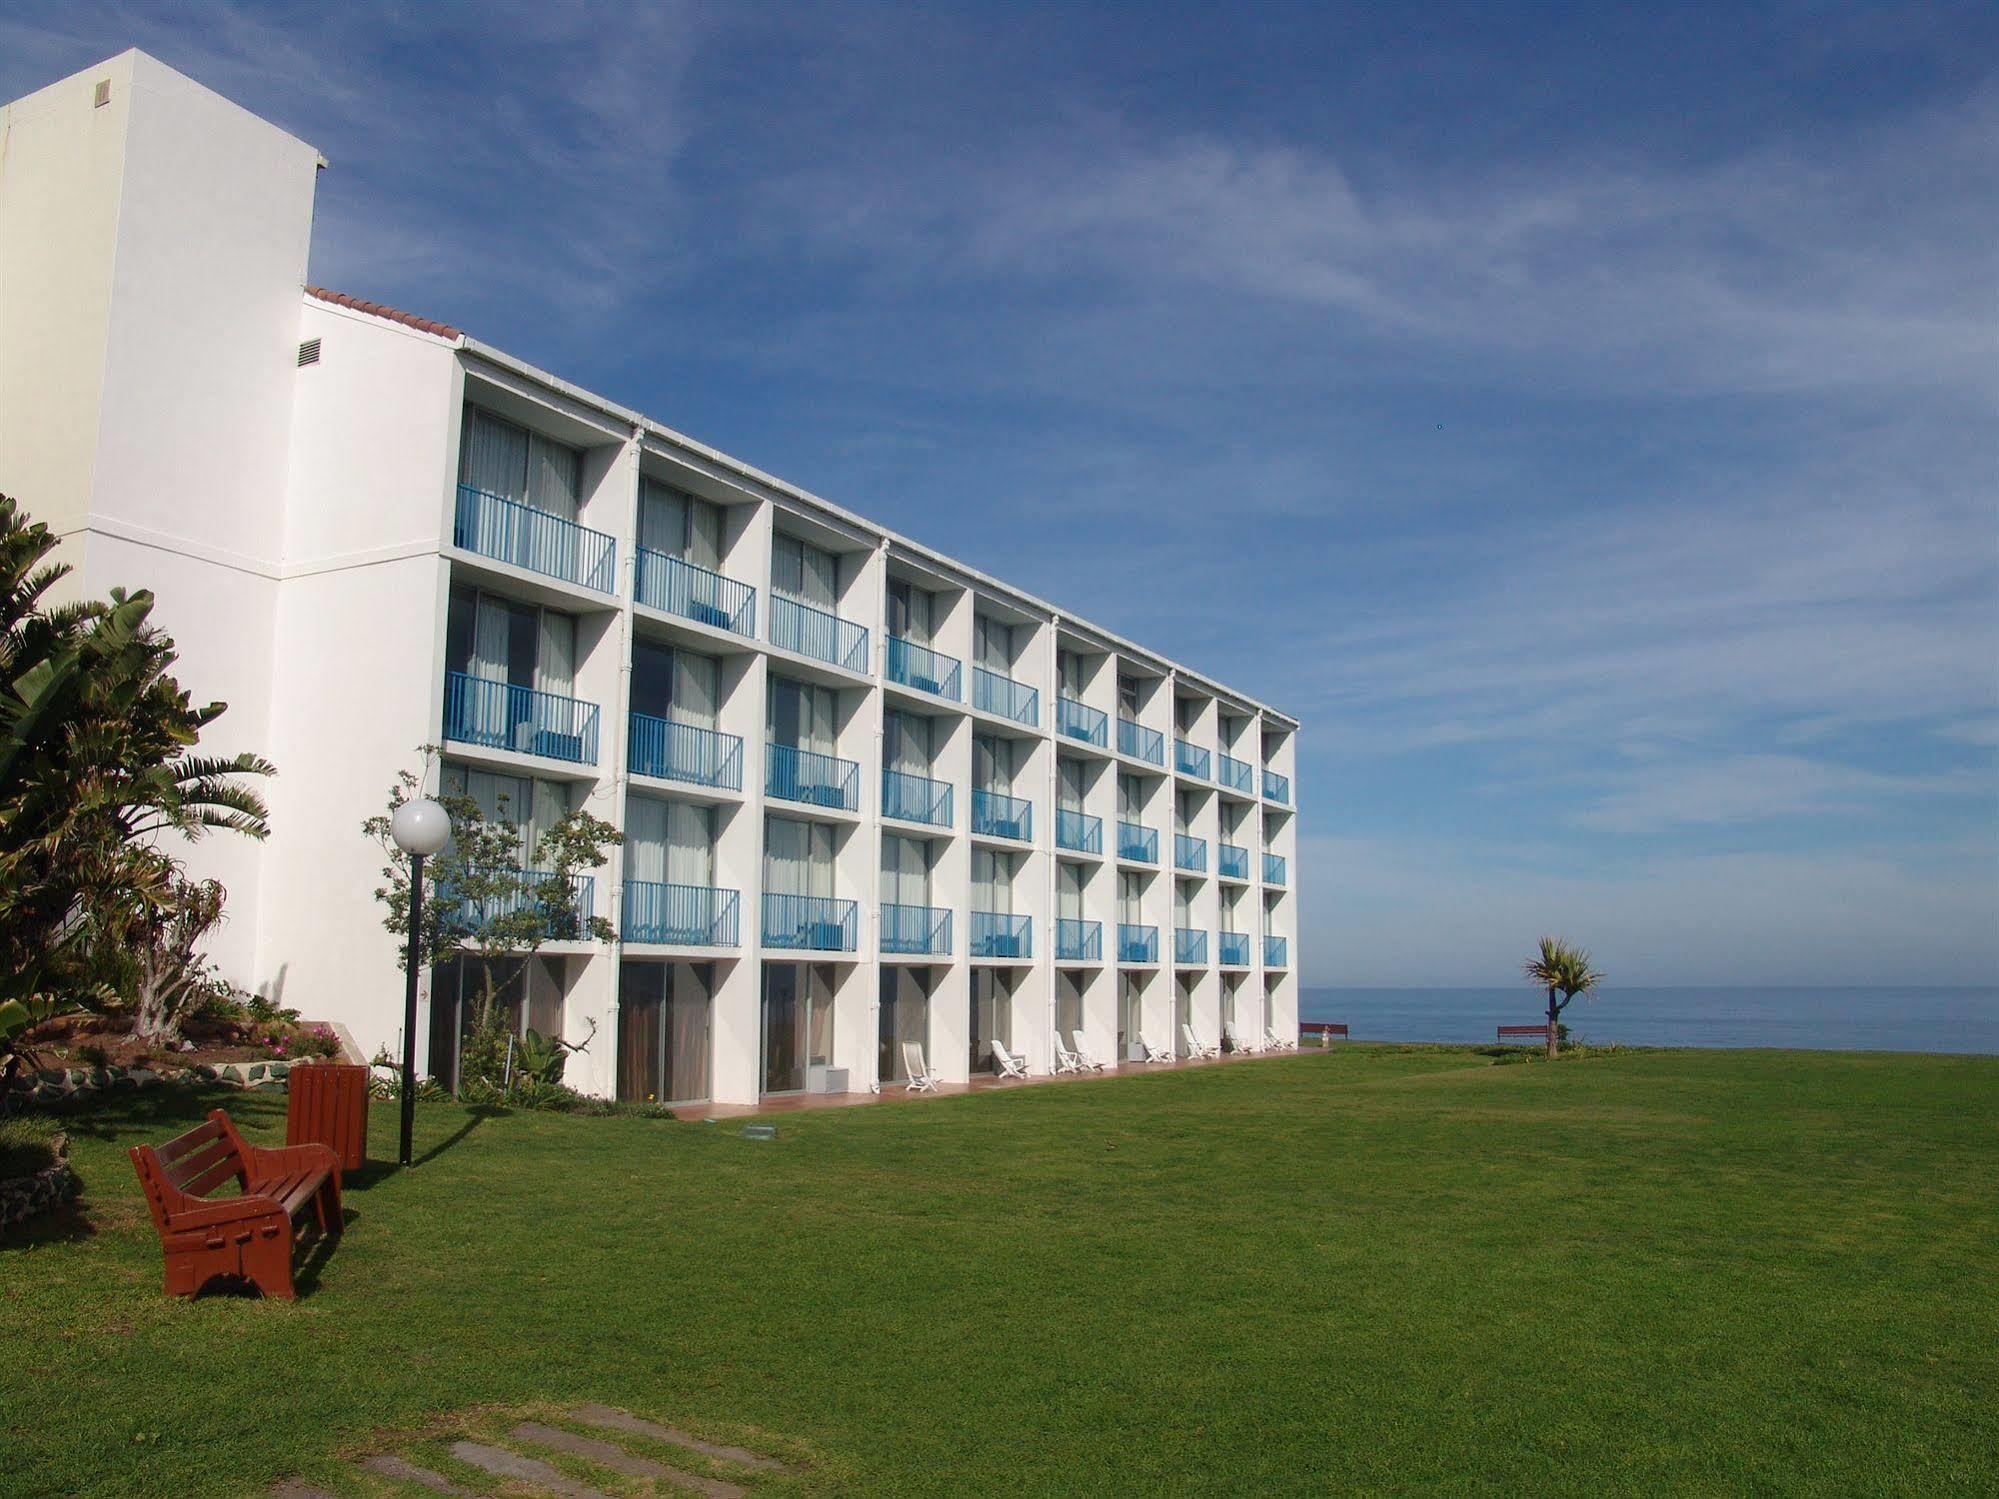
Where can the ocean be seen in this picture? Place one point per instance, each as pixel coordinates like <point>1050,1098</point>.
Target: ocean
<point>1915,1019</point>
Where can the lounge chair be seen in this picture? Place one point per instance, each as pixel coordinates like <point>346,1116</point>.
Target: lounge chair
<point>1156,1053</point>
<point>1009,1064</point>
<point>1276,1042</point>
<point>1196,1047</point>
<point>921,1078</point>
<point>1065,1059</point>
<point>1083,1058</point>
<point>1236,1042</point>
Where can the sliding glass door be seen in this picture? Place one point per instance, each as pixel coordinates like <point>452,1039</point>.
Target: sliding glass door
<point>992,1006</point>
<point>905,1019</point>
<point>663,1031</point>
<point>797,1024</point>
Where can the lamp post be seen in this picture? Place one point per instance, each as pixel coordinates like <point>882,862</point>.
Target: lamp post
<point>421,828</point>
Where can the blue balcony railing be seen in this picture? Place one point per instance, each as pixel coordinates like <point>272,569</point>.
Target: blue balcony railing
<point>924,930</point>
<point>815,633</point>
<point>796,775</point>
<point>1137,944</point>
<point>1190,854</point>
<point>1231,863</point>
<point>1000,816</point>
<point>1080,721</point>
<point>1000,936</point>
<point>669,751</point>
<point>677,587</point>
<point>916,798</point>
<point>812,923</point>
<point>1078,831</point>
<point>680,915</point>
<point>1141,743</point>
<point>1277,787</point>
<point>508,531</point>
<point>993,693</point>
<point>1079,941</point>
<point>564,903</point>
<point>1237,775</point>
<point>499,715</point>
<point>920,667</point>
<point>1190,760</point>
<point>1190,945</point>
<point>1233,948</point>
<point>1140,845</point>
<point>1273,869</point>
<point>1276,952</point>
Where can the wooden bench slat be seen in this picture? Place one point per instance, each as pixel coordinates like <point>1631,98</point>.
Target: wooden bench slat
<point>184,1145</point>
<point>198,1163</point>
<point>224,1170</point>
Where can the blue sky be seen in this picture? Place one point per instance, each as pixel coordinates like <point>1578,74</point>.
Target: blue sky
<point>1581,417</point>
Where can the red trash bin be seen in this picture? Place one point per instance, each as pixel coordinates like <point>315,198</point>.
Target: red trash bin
<point>328,1105</point>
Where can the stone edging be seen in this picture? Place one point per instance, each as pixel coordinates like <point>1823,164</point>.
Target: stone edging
<point>59,1084</point>
<point>25,1197</point>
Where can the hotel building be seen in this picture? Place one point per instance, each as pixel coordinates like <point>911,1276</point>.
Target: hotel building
<point>869,793</point>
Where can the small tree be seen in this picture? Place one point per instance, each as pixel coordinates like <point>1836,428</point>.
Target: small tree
<point>1562,969</point>
<point>488,898</point>
<point>169,977</point>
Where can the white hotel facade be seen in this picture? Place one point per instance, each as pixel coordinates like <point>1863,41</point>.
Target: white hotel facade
<point>869,793</point>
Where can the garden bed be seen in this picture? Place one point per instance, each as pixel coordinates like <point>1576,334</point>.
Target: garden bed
<point>34,1169</point>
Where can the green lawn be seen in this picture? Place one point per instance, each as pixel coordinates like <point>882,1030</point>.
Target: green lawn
<point>1377,1270</point>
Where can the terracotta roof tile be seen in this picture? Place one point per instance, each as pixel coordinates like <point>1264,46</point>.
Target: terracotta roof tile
<point>391,314</point>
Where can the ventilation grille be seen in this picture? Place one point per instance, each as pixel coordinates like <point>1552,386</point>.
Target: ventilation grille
<point>102,96</point>
<point>308,352</point>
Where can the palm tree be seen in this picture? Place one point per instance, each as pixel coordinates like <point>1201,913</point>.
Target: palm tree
<point>1563,969</point>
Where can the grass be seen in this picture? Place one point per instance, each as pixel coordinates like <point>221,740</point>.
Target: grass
<point>1377,1270</point>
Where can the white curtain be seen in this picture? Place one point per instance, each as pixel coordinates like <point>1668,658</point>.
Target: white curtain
<point>493,455</point>
<point>1127,696</point>
<point>801,715</point>
<point>491,623</point>
<point>1069,892</point>
<point>905,871</point>
<point>555,662</point>
<point>912,612</point>
<point>1183,903</point>
<point>662,518</point>
<point>645,840</point>
<point>798,857</point>
<point>555,473</point>
<point>1069,669</point>
<point>1127,899</point>
<point>992,764</point>
<point>549,806</point>
<point>690,844</point>
<point>696,688</point>
<point>1069,785</point>
<point>992,645</point>
<point>802,571</point>
<point>1229,895</point>
<point>992,881</point>
<point>1129,797</point>
<point>907,743</point>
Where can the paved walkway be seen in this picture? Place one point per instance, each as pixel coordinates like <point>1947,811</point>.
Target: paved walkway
<point>792,1103</point>
<point>586,1452</point>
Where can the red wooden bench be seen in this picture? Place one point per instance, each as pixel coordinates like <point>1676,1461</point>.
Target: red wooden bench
<point>1538,1032</point>
<point>1325,1030</point>
<point>247,1236</point>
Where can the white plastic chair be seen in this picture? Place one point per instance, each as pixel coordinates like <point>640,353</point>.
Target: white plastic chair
<point>1155,1053</point>
<point>1065,1059</point>
<point>1236,1043</point>
<point>1276,1042</point>
<point>921,1078</point>
<point>1009,1064</point>
<point>1083,1058</point>
<point>1196,1047</point>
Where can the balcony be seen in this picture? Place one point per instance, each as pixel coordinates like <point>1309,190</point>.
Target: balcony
<point>522,536</point>
<point>1236,775</point>
<point>1079,941</point>
<point>1136,844</point>
<point>1189,760</point>
<point>680,915</point>
<point>1141,743</point>
<point>920,667</point>
<point>1233,949</point>
<point>998,816</point>
<point>1190,946</point>
<point>915,798</point>
<point>796,775</point>
<point>996,935</point>
<point>1190,854</point>
<point>1231,863</point>
<point>1277,787</point>
<point>922,931</point>
<point>478,898</point>
<point>669,751</point>
<point>501,716</point>
<point>993,693</point>
<point>1276,952</point>
<point>1273,869</point>
<point>1078,831</point>
<point>1137,944</point>
<point>810,923</point>
<point>815,633</point>
<point>672,586</point>
<point>1080,721</point>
